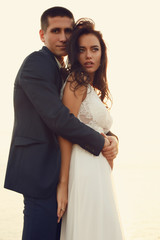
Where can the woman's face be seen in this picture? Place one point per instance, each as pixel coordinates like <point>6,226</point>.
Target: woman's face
<point>89,53</point>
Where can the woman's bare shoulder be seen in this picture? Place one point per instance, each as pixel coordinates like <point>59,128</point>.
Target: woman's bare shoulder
<point>73,86</point>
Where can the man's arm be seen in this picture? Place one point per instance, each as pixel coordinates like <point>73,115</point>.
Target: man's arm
<point>39,82</point>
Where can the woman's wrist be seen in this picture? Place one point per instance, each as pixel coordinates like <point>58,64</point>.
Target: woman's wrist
<point>63,181</point>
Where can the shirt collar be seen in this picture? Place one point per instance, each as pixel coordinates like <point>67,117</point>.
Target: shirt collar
<point>59,65</point>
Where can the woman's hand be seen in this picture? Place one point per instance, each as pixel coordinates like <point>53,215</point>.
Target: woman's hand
<point>62,199</point>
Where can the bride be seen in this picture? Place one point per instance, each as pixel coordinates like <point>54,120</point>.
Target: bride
<point>85,193</point>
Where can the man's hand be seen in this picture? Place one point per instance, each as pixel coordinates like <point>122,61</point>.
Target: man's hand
<point>110,151</point>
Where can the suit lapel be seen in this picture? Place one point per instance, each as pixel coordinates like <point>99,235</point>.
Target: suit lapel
<point>45,50</point>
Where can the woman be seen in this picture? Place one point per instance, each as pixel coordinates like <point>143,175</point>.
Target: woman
<point>85,180</point>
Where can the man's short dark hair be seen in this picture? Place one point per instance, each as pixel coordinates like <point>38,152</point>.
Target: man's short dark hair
<point>54,12</point>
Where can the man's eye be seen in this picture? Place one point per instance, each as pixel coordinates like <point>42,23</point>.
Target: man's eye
<point>69,31</point>
<point>55,30</point>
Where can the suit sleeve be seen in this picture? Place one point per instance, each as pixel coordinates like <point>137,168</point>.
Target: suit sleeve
<point>38,80</point>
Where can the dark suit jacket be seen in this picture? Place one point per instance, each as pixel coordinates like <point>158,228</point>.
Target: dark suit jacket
<point>34,159</point>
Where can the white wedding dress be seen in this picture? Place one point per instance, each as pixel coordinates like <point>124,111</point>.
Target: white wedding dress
<point>91,212</point>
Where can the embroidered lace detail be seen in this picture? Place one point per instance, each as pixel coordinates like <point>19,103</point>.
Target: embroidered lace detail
<point>94,113</point>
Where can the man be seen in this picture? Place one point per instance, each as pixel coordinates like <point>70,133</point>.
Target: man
<point>34,159</point>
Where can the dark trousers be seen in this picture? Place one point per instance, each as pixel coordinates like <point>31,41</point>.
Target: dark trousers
<point>40,219</point>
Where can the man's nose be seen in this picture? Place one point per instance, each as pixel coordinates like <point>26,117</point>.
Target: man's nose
<point>63,37</point>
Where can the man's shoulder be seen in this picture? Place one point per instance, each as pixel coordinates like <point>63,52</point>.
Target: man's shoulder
<point>44,52</point>
<point>39,58</point>
<point>39,63</point>
<point>36,54</point>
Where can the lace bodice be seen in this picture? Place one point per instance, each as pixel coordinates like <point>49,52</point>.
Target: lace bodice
<point>93,112</point>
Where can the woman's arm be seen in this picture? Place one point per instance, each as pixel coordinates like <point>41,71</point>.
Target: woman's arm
<point>72,100</point>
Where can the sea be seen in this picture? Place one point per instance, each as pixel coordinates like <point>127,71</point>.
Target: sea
<point>138,198</point>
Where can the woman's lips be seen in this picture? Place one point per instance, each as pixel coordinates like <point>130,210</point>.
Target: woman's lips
<point>88,64</point>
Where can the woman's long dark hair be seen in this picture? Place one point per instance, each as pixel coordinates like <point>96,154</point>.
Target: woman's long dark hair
<point>80,76</point>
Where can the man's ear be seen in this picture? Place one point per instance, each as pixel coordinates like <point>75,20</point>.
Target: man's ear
<point>41,34</point>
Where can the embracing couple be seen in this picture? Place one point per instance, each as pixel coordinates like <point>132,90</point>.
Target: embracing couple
<point>62,150</point>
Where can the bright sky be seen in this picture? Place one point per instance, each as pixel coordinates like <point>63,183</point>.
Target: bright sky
<point>131,31</point>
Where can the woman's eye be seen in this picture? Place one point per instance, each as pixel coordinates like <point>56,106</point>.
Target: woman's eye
<point>95,49</point>
<point>81,50</point>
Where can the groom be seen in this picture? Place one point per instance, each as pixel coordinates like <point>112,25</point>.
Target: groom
<point>34,159</point>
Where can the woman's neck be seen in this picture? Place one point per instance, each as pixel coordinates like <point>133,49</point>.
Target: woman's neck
<point>91,76</point>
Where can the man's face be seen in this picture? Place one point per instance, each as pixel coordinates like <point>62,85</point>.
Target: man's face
<point>57,34</point>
